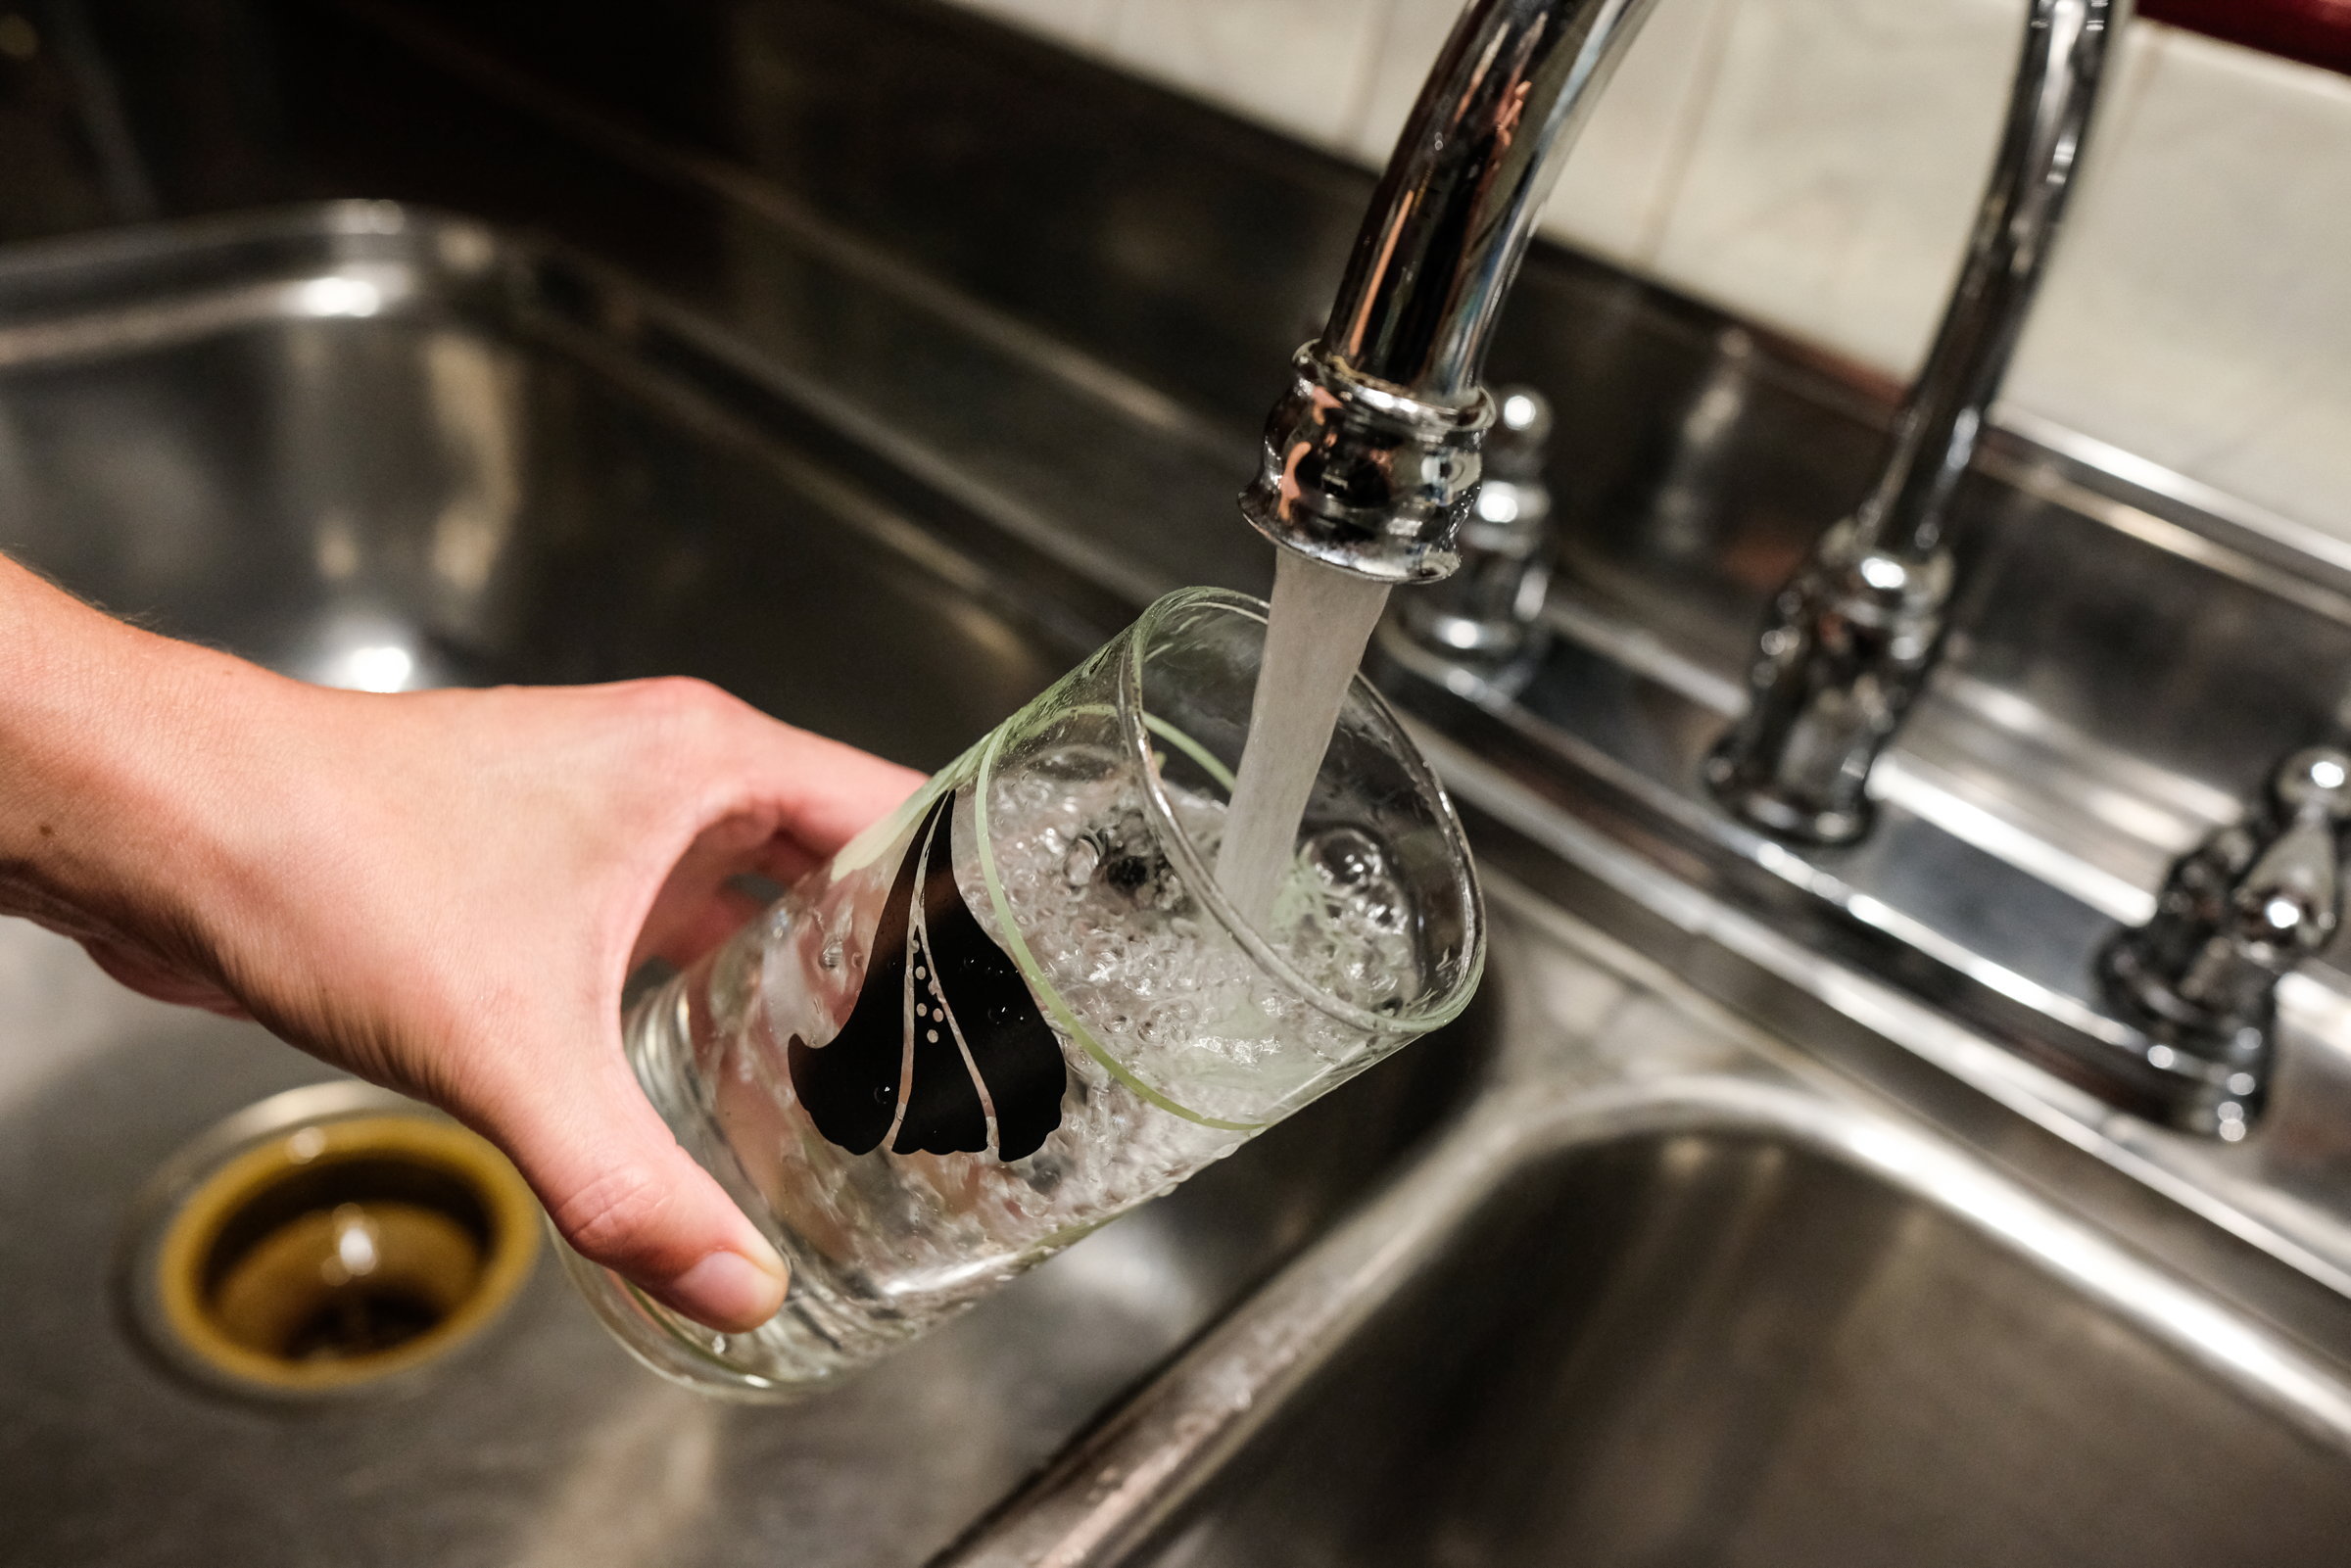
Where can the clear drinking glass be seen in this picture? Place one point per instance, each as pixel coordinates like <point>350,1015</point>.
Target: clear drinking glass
<point>1022,1004</point>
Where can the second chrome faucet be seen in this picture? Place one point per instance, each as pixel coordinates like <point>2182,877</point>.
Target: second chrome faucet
<point>1852,635</point>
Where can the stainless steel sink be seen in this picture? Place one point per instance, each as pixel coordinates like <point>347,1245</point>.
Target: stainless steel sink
<point>1720,1344</point>
<point>384,448</point>
<point>1670,1294</point>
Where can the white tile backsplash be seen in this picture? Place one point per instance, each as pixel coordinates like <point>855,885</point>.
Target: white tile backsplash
<point>1814,164</point>
<point>1078,23</point>
<point>1301,66</point>
<point>1413,32</point>
<point>1838,165</point>
<point>1618,189</point>
<point>2199,311</point>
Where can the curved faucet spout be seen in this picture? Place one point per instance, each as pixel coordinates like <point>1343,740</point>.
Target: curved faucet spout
<point>1452,218</point>
<point>2057,80</point>
<point>1371,459</point>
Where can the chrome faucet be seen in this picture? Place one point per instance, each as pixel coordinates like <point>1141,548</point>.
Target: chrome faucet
<point>1371,461</point>
<point>2236,913</point>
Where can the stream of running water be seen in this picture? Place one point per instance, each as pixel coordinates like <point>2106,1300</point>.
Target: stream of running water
<point>1315,636</point>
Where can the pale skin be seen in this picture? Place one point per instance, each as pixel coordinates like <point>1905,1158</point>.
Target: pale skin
<point>440,891</point>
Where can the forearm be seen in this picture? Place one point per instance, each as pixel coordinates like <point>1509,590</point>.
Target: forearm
<point>115,757</point>
<point>443,891</point>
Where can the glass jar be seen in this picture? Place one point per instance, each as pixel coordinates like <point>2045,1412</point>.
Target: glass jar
<point>1022,1004</point>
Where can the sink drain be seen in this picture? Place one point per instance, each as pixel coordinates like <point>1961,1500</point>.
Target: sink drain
<point>327,1240</point>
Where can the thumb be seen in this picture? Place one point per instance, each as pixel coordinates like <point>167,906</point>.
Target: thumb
<point>625,1195</point>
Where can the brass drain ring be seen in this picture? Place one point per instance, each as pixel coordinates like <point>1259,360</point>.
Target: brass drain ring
<point>325,1241</point>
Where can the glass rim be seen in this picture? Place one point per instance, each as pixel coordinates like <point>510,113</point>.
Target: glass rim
<point>1430,1011</point>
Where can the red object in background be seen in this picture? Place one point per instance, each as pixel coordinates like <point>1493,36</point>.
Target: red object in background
<point>2317,32</point>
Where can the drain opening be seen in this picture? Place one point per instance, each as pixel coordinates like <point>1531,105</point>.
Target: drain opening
<point>329,1239</point>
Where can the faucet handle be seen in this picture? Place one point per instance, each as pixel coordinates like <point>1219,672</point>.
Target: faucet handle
<point>2317,779</point>
<point>2290,901</point>
<point>1484,615</point>
<point>2238,912</point>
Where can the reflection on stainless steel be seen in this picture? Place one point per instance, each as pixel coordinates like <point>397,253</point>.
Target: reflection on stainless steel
<point>2238,912</point>
<point>1487,613</point>
<point>639,1486</point>
<point>1921,936</point>
<point>1851,635</point>
<point>1662,1296</point>
<point>506,468</point>
<point>1999,923</point>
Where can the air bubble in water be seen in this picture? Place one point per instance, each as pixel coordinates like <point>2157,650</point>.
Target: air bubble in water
<point>1347,857</point>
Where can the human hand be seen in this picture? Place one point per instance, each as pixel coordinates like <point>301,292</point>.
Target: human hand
<point>440,891</point>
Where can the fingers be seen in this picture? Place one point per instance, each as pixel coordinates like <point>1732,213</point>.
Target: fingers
<point>821,792</point>
<point>782,802</point>
<point>612,1177</point>
<point>697,908</point>
<point>626,1195</point>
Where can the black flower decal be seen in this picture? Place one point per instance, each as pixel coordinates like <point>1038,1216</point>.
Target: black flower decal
<point>944,1037</point>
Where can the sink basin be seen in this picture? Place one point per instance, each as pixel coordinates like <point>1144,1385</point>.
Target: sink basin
<point>1670,1294</point>
<point>1719,1346</point>
<point>385,448</point>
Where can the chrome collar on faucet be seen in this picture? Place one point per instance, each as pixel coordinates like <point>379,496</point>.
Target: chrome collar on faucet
<point>1372,460</point>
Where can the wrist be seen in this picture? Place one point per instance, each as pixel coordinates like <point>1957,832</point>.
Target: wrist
<point>118,758</point>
